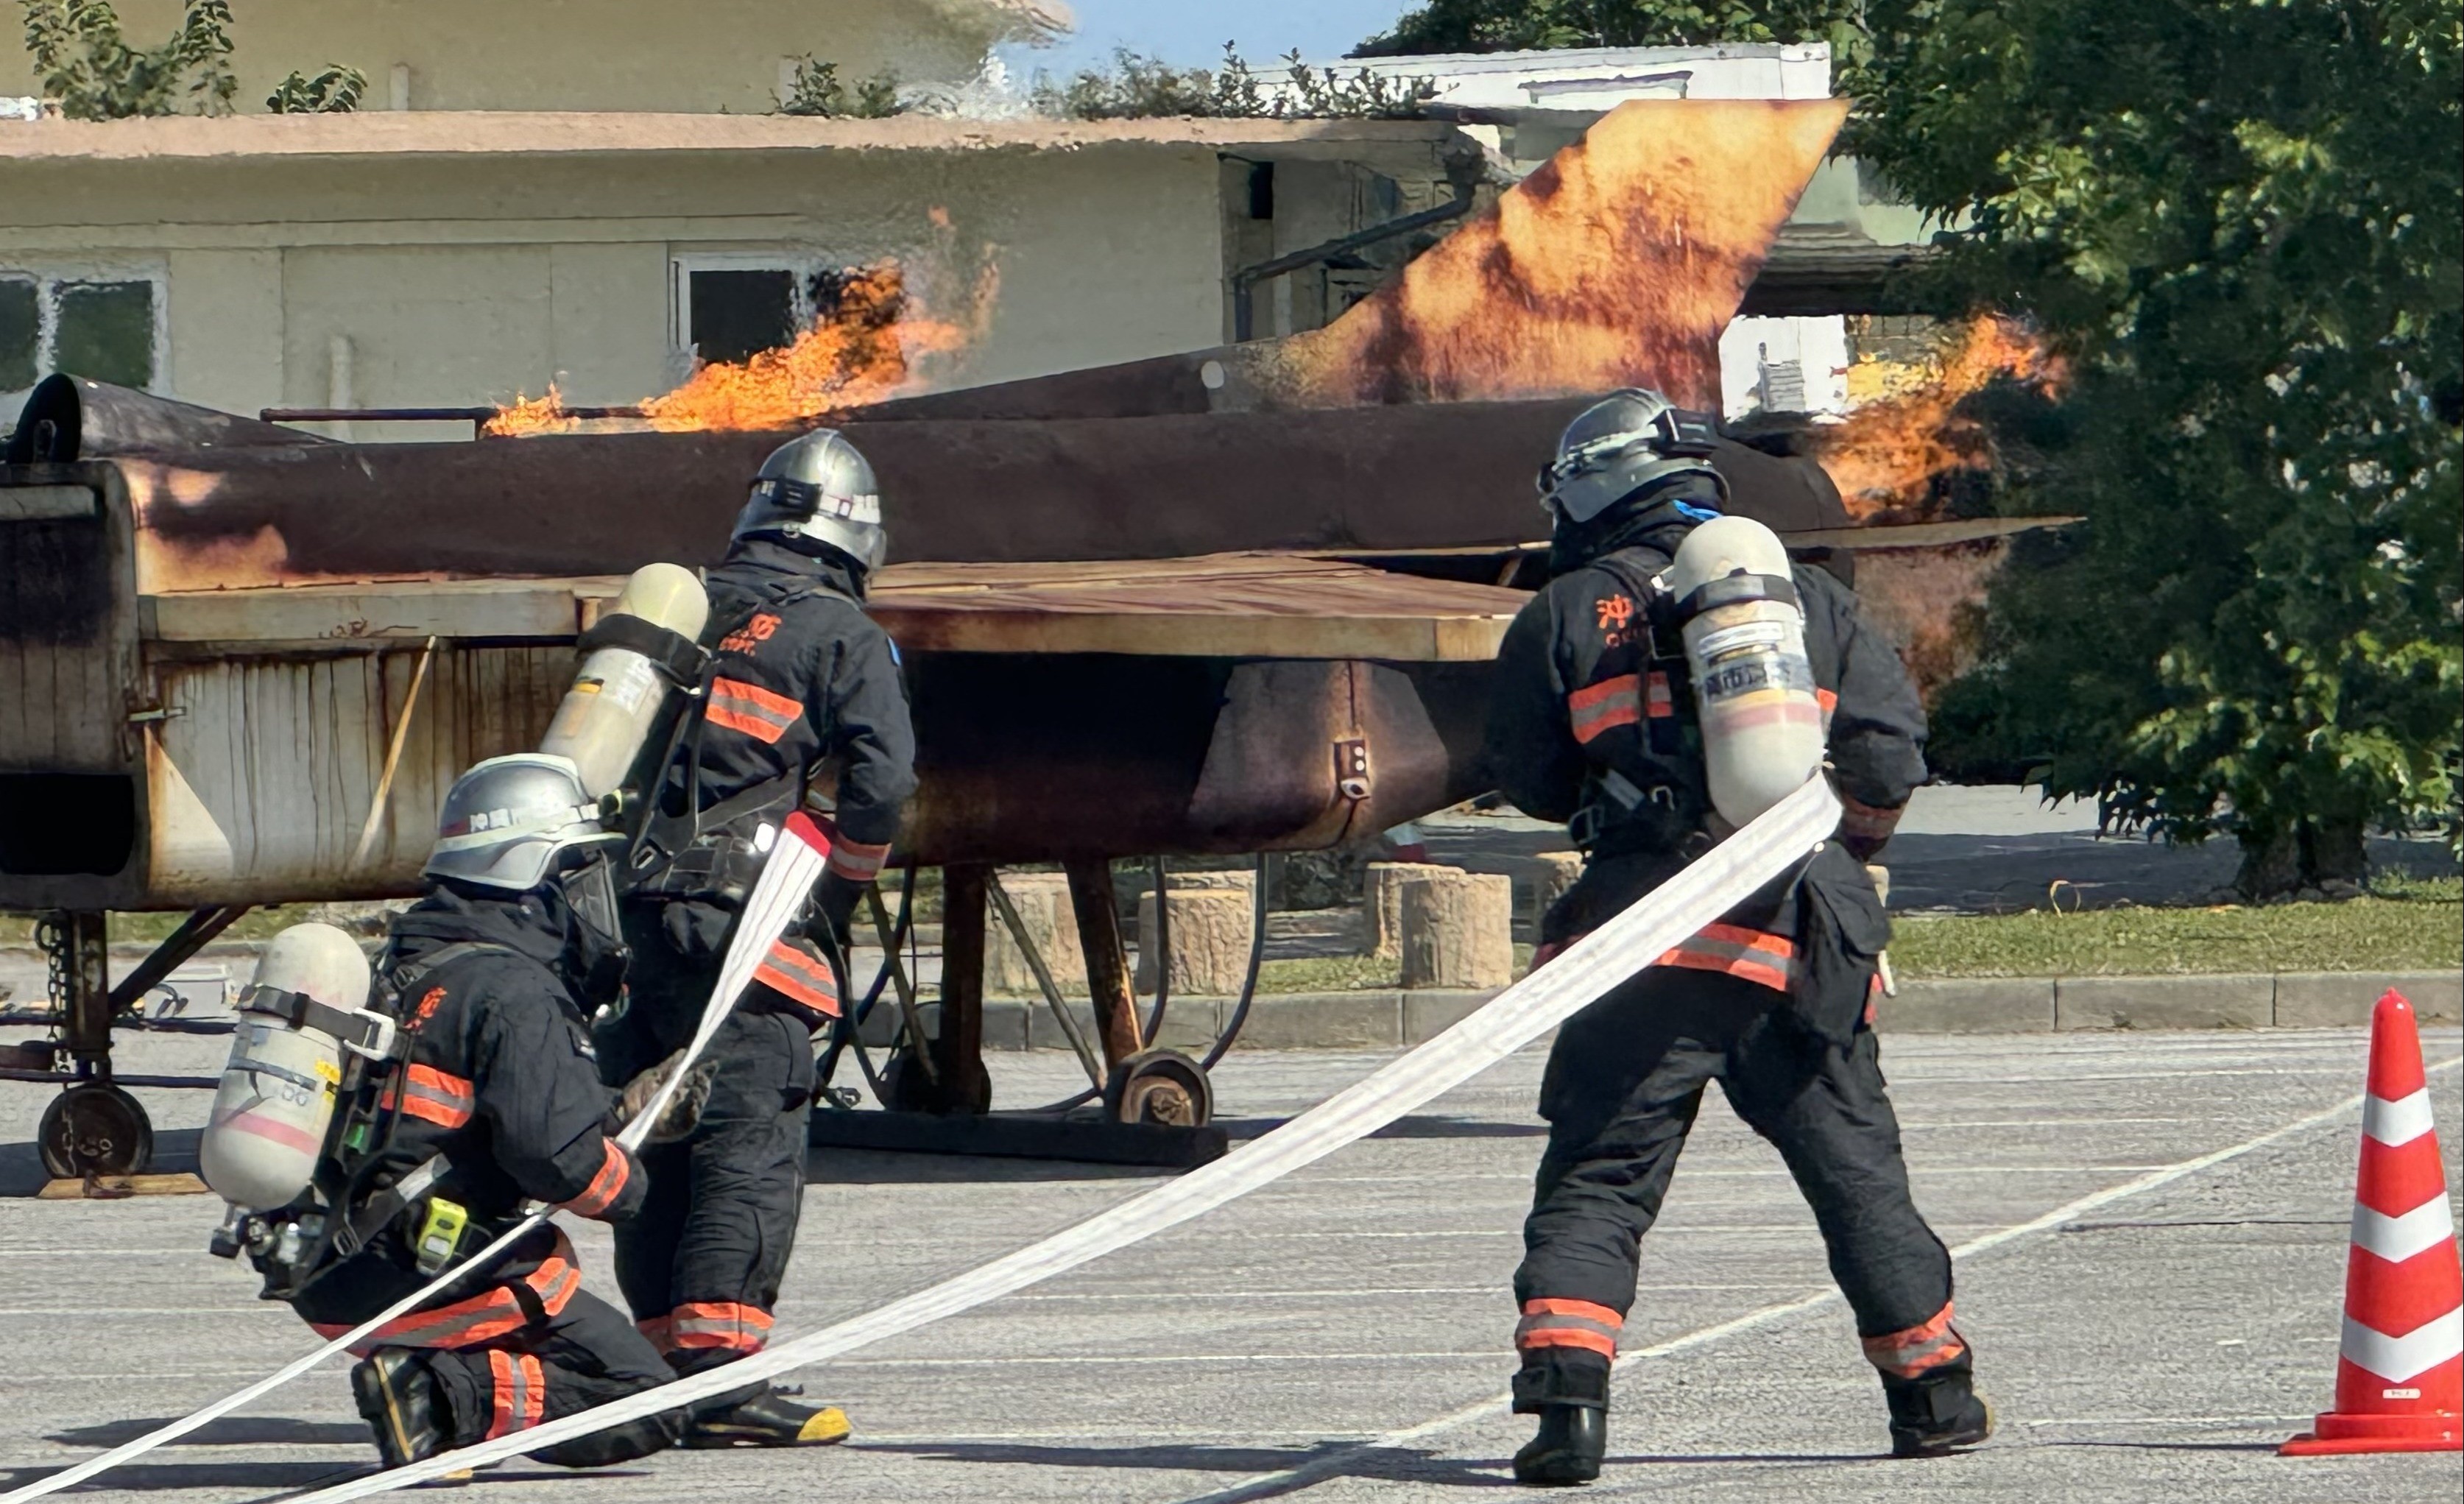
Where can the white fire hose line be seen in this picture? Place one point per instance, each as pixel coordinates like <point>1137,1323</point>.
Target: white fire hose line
<point>1722,879</point>
<point>1319,1469</point>
<point>787,877</point>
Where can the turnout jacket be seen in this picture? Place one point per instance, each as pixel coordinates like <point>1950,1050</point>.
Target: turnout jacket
<point>1584,686</point>
<point>806,679</point>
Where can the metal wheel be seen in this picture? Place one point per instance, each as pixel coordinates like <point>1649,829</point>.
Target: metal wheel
<point>1158,1086</point>
<point>95,1128</point>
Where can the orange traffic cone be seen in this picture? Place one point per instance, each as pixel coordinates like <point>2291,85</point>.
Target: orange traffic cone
<point>2400,1380</point>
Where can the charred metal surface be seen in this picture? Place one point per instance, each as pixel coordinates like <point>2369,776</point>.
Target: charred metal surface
<point>69,418</point>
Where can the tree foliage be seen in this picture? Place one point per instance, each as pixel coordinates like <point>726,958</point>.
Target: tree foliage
<point>2241,223</point>
<point>814,89</point>
<point>87,64</point>
<point>1488,26</point>
<point>337,90</point>
<point>1137,87</point>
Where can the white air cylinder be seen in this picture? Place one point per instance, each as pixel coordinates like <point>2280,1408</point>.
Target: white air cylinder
<point>1753,685</point>
<point>619,695</point>
<point>268,1124</point>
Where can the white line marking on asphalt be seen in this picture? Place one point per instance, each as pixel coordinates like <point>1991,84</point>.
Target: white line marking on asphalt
<point>2173,1420</point>
<point>1265,1485</point>
<point>1487,1355</point>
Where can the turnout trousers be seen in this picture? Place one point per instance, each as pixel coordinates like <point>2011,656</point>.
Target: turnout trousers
<point>1622,1091</point>
<point>533,1347</point>
<point>701,1263</point>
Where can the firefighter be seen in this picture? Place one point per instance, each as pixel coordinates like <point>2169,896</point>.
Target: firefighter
<point>804,686</point>
<point>1594,720</point>
<point>493,972</point>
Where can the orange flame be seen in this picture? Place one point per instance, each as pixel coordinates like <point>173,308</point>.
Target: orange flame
<point>529,415</point>
<point>1887,456</point>
<point>861,352</point>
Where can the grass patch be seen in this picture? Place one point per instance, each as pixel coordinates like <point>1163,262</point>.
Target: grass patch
<point>2420,930</point>
<point>148,929</point>
<point>1346,973</point>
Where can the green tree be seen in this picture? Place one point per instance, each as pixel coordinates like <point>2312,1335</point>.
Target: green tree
<point>1488,26</point>
<point>2241,224</point>
<point>86,64</point>
<point>335,91</point>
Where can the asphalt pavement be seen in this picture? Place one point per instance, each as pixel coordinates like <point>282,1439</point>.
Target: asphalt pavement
<point>2150,1229</point>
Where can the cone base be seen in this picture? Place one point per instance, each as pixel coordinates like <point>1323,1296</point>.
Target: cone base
<point>2353,1435</point>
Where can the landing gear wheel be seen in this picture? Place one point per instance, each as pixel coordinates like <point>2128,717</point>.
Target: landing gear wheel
<point>1160,1086</point>
<point>907,1087</point>
<point>94,1128</point>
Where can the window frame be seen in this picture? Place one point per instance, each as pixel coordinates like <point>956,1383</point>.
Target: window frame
<point>50,276</point>
<point>801,264</point>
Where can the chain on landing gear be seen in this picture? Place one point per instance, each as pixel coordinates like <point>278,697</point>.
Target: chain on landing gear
<point>94,1129</point>
<point>1158,1086</point>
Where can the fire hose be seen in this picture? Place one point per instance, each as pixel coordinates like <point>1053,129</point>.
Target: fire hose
<point>787,877</point>
<point>1724,877</point>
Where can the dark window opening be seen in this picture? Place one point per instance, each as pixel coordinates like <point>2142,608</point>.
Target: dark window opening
<point>107,332</point>
<point>739,313</point>
<point>1262,190</point>
<point>56,825</point>
<point>21,334</point>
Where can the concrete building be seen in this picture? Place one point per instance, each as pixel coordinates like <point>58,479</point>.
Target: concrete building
<point>594,194</point>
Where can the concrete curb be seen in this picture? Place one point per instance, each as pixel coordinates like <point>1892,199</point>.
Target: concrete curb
<point>1394,1018</point>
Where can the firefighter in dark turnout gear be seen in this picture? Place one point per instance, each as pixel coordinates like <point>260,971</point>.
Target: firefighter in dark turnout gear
<point>1592,721</point>
<point>805,685</point>
<point>491,971</point>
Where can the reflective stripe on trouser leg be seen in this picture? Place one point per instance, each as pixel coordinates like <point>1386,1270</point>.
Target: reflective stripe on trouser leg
<point>1915,1350</point>
<point>520,1397</point>
<point>728,1324</point>
<point>1568,1323</point>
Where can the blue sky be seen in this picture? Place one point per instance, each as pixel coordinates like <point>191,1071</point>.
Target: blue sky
<point>1193,31</point>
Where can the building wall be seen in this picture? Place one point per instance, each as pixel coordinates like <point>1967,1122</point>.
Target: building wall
<point>577,54</point>
<point>384,282</point>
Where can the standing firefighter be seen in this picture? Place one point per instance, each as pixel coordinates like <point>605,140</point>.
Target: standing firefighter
<point>803,682</point>
<point>478,1094</point>
<point>1676,678</point>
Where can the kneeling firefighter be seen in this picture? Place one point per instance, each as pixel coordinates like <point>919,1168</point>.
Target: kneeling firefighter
<point>1676,678</point>
<point>802,684</point>
<point>370,1148</point>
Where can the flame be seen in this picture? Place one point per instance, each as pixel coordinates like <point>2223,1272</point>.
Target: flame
<point>1615,263</point>
<point>529,415</point>
<point>1889,456</point>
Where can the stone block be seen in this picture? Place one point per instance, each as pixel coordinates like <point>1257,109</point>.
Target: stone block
<point>2220,1002</point>
<point>1210,942</point>
<point>1324,1021</point>
<point>1381,909</point>
<point>2328,998</point>
<point>1042,903</point>
<point>1459,930</point>
<point>1969,1006</point>
<point>1552,874</point>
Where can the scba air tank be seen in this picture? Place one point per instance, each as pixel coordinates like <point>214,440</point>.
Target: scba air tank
<point>620,694</point>
<point>261,1143</point>
<point>1744,630</point>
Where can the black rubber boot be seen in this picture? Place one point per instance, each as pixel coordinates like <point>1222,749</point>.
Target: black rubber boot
<point>769,1418</point>
<point>399,1398</point>
<point>1573,1440</point>
<point>1937,1414</point>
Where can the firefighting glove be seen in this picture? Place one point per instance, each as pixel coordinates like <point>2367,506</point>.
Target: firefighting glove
<point>683,1112</point>
<point>834,901</point>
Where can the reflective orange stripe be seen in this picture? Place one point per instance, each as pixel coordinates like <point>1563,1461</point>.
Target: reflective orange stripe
<point>1919,1349</point>
<point>1739,952</point>
<point>1611,702</point>
<point>435,1095</point>
<point>1658,701</point>
<point>614,1170</point>
<point>1828,699</point>
<point>758,713</point>
<point>659,1330</point>
<point>481,1318</point>
<point>856,861</point>
<point>1569,1323</point>
<point>800,976</point>
<point>719,1323</point>
<point>1864,822</point>
<point>520,1397</point>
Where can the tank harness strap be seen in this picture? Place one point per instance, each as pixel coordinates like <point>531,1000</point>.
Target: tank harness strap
<point>676,656</point>
<point>361,1031</point>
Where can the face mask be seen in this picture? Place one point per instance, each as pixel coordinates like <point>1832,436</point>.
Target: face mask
<point>597,944</point>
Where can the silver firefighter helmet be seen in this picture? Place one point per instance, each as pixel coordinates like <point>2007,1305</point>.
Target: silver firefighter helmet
<point>1619,445</point>
<point>512,823</point>
<point>818,487</point>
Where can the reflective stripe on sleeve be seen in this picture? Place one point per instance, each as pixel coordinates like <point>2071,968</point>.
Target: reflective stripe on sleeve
<point>763,715</point>
<point>1919,1349</point>
<point>801,977</point>
<point>1739,952</point>
<point>856,861</point>
<point>1609,703</point>
<point>434,1096</point>
<point>614,1170</point>
<point>718,1323</point>
<point>520,1393</point>
<point>1568,1323</point>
